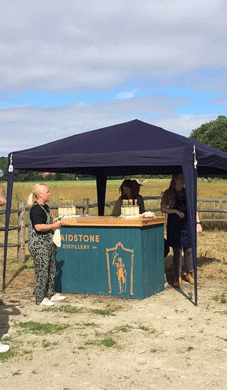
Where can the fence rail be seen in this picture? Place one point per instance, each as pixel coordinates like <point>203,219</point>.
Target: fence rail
<point>22,210</point>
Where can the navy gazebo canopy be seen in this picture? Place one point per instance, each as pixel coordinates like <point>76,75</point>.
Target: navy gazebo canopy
<point>129,148</point>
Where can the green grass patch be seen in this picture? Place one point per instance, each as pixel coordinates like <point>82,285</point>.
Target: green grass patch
<point>147,329</point>
<point>124,328</point>
<point>27,351</point>
<point>144,328</point>
<point>89,324</point>
<point>8,355</point>
<point>91,342</point>
<point>17,373</point>
<point>108,342</point>
<point>46,343</point>
<point>221,298</point>
<point>105,312</point>
<point>37,328</point>
<point>190,296</point>
<point>64,309</point>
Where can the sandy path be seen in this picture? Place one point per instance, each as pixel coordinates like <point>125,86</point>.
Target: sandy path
<point>162,342</point>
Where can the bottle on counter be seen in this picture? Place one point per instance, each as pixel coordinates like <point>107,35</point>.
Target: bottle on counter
<point>123,207</point>
<point>127,209</point>
<point>136,208</point>
<point>65,210</point>
<point>131,208</point>
<point>73,211</point>
<point>60,209</point>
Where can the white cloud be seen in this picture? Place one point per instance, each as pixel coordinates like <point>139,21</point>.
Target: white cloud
<point>63,45</point>
<point>26,127</point>
<point>127,95</point>
<point>182,124</point>
<point>104,45</point>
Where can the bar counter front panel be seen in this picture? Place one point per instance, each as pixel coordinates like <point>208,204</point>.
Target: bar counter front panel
<point>111,256</point>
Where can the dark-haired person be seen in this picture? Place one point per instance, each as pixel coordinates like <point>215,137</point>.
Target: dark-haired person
<point>129,189</point>
<point>136,195</point>
<point>173,204</point>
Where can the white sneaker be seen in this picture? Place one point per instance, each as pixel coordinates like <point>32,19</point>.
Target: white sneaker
<point>46,302</point>
<point>4,348</point>
<point>57,297</point>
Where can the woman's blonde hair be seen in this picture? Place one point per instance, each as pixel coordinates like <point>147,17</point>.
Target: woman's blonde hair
<point>36,190</point>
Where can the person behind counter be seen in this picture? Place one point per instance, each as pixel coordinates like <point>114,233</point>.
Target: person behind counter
<point>135,195</point>
<point>41,246</point>
<point>129,189</point>
<point>173,204</point>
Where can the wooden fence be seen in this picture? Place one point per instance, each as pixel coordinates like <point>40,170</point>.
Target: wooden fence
<point>22,209</point>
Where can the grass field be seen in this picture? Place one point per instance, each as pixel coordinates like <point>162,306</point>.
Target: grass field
<point>212,243</point>
<point>74,192</point>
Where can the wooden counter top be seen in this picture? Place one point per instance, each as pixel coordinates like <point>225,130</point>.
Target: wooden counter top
<point>112,221</point>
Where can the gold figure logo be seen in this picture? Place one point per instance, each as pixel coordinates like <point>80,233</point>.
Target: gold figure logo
<point>121,262</point>
<point>121,273</point>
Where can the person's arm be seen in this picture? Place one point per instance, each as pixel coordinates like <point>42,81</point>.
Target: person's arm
<point>42,227</point>
<point>116,209</point>
<point>198,223</point>
<point>140,203</point>
<point>166,206</point>
<point>2,196</point>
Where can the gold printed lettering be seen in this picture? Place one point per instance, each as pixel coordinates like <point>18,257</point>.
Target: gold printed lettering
<point>70,237</point>
<point>92,238</point>
<point>80,236</point>
<point>62,237</point>
<point>86,238</point>
<point>97,238</point>
<point>75,238</point>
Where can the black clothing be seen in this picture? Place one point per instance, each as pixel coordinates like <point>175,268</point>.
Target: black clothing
<point>178,233</point>
<point>38,214</point>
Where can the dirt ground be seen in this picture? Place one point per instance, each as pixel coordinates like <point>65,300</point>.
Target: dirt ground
<point>161,342</point>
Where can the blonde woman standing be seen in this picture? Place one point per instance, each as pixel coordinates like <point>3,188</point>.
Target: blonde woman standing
<point>41,246</point>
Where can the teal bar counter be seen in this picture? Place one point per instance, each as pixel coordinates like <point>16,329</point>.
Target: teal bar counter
<point>111,256</point>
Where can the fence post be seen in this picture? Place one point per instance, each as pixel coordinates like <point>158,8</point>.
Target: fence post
<point>21,231</point>
<point>86,205</point>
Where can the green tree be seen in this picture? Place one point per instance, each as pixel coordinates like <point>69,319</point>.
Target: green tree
<point>213,133</point>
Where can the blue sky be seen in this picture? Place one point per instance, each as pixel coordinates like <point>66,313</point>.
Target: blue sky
<point>72,66</point>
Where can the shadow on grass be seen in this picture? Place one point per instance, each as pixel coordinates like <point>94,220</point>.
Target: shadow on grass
<point>27,265</point>
<point>202,260</point>
<point>5,312</point>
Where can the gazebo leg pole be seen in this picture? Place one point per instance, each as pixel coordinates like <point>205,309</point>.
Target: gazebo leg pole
<point>101,192</point>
